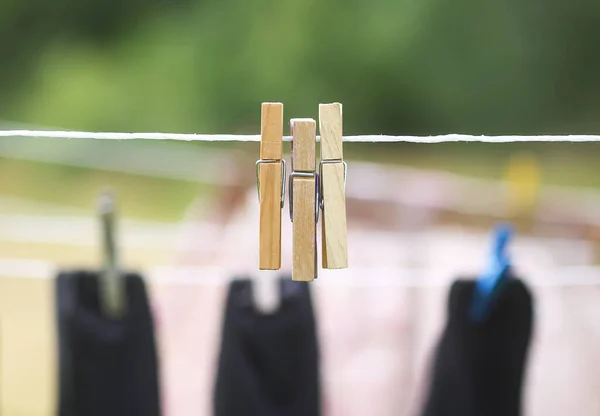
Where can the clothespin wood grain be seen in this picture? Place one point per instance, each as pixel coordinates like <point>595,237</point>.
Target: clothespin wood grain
<point>270,171</point>
<point>304,209</point>
<point>332,173</point>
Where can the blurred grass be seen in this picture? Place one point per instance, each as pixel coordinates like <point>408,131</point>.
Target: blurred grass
<point>138,196</point>
<point>143,197</point>
<point>562,163</point>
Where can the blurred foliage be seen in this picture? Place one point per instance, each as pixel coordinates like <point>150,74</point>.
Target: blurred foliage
<point>28,28</point>
<point>399,67</point>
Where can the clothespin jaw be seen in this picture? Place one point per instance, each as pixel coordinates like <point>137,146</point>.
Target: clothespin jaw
<point>304,199</point>
<point>270,174</point>
<point>499,262</point>
<point>332,175</point>
<point>113,298</point>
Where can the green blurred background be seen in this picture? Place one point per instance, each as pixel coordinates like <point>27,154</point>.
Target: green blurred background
<point>204,66</point>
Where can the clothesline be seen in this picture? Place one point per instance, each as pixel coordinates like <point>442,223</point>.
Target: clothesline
<point>370,277</point>
<point>55,134</point>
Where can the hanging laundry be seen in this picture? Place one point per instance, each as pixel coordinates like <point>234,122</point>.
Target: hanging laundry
<point>478,367</point>
<point>106,366</point>
<point>269,363</point>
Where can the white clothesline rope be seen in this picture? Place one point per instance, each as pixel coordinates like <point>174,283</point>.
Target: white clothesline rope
<point>386,277</point>
<point>356,277</point>
<point>55,134</point>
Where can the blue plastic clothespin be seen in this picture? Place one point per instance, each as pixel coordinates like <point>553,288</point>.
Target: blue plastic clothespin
<point>488,282</point>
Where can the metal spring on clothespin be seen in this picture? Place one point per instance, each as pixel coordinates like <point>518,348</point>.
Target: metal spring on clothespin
<point>111,284</point>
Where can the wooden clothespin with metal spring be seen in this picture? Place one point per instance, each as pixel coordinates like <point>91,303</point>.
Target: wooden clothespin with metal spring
<point>304,199</point>
<point>270,174</point>
<point>112,288</point>
<point>332,175</point>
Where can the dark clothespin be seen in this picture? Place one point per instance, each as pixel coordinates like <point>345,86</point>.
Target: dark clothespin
<point>111,285</point>
<point>487,285</point>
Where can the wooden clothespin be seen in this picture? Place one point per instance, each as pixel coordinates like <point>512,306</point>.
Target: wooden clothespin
<point>304,197</point>
<point>270,174</point>
<point>112,295</point>
<point>332,175</point>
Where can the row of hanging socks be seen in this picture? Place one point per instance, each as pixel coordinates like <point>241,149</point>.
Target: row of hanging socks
<point>311,191</point>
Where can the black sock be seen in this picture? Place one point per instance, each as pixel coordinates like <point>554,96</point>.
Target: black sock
<point>478,368</point>
<point>106,366</point>
<point>268,364</point>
